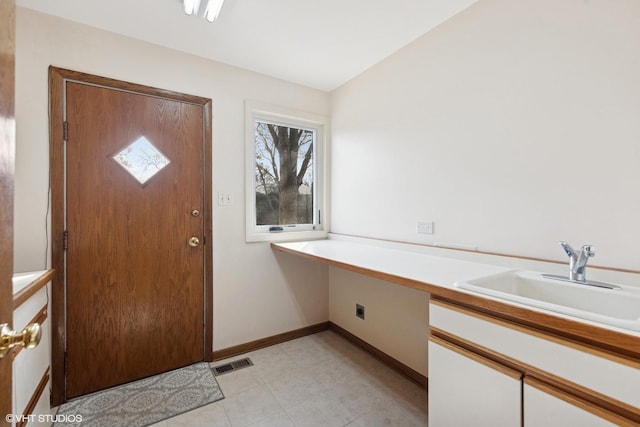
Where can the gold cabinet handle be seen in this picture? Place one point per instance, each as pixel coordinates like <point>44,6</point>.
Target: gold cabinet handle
<point>194,241</point>
<point>28,338</point>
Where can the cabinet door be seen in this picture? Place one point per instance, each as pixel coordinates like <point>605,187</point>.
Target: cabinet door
<point>547,407</point>
<point>466,389</point>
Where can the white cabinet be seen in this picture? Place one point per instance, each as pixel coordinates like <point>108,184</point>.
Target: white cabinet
<point>31,376</point>
<point>465,390</point>
<point>486,371</point>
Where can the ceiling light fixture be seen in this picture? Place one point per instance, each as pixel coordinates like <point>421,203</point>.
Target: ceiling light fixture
<point>213,10</point>
<point>191,7</point>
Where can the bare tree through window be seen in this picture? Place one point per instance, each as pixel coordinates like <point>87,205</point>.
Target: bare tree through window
<point>141,159</point>
<point>283,174</point>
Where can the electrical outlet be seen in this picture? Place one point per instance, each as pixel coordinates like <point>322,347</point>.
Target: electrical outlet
<point>225,199</point>
<point>360,311</point>
<point>425,227</point>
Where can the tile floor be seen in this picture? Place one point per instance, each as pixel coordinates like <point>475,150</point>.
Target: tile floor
<point>320,380</point>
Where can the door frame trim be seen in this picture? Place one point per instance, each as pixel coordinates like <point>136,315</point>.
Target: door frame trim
<point>7,172</point>
<point>57,79</point>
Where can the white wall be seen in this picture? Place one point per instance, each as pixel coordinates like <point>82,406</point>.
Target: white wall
<point>396,317</point>
<point>512,126</point>
<point>256,293</point>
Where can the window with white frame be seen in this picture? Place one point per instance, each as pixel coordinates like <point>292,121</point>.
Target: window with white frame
<point>285,188</point>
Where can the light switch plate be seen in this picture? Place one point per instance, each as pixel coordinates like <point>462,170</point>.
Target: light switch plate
<point>225,199</point>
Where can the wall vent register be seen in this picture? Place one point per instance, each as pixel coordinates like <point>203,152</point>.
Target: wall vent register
<point>141,159</point>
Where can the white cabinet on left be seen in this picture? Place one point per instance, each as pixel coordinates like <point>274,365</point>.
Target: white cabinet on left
<point>31,375</point>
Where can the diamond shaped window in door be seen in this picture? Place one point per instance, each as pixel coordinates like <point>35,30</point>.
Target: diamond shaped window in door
<point>141,159</point>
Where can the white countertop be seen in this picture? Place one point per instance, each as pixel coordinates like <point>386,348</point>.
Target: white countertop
<point>419,264</point>
<point>22,280</point>
<point>432,270</point>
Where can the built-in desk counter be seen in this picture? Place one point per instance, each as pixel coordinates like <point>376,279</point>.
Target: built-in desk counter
<point>424,272</point>
<point>409,265</point>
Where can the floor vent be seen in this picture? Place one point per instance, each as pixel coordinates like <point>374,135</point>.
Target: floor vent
<point>231,366</point>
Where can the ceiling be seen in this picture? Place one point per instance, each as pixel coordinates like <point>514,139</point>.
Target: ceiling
<point>316,43</point>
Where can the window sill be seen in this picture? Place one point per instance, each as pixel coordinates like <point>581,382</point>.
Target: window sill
<point>286,236</point>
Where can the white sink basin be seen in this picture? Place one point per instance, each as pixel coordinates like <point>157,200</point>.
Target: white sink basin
<point>615,307</point>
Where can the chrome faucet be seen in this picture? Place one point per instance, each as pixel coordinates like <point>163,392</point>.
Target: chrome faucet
<point>578,261</point>
<point>578,267</point>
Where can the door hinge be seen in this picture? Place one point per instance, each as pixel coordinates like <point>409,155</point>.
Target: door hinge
<point>65,241</point>
<point>65,130</point>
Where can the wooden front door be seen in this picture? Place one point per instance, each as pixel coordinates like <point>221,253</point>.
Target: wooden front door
<point>134,238</point>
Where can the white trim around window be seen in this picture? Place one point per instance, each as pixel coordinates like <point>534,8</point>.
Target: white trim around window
<point>318,126</point>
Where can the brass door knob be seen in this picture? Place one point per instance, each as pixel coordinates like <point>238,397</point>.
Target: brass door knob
<point>28,338</point>
<point>194,241</point>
